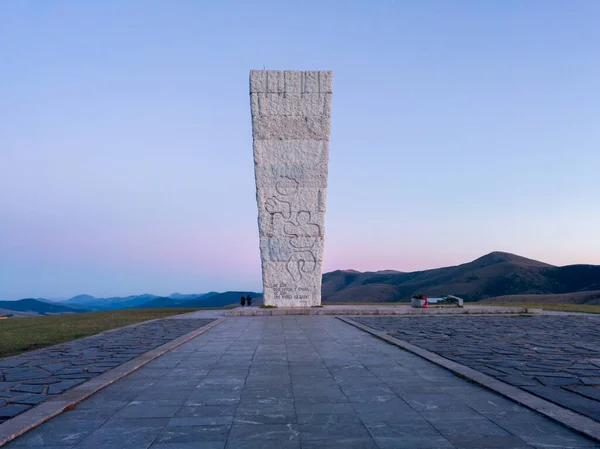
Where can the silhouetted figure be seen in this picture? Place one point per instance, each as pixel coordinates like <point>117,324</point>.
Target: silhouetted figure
<point>243,301</point>
<point>249,300</point>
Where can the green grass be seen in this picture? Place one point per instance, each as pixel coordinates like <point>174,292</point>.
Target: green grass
<point>546,306</point>
<point>18,335</point>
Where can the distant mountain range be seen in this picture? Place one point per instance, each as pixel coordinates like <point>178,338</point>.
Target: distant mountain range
<point>87,303</point>
<point>208,300</point>
<point>129,302</point>
<point>30,306</point>
<point>495,274</point>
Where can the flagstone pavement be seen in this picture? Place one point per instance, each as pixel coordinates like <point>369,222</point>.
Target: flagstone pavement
<point>556,357</point>
<point>31,378</point>
<point>295,382</point>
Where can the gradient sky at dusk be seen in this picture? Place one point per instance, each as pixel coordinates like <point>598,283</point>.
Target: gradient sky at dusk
<point>458,128</point>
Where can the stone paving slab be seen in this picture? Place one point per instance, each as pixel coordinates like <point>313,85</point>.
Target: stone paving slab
<point>295,382</point>
<point>549,356</point>
<point>31,378</point>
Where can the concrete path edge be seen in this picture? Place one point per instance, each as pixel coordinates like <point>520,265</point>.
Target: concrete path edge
<point>32,418</point>
<point>564,416</point>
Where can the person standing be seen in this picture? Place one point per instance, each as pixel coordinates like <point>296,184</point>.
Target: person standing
<point>249,300</point>
<point>243,301</point>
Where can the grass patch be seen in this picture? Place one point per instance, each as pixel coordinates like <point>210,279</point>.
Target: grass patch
<point>546,306</point>
<point>18,335</point>
<point>267,307</point>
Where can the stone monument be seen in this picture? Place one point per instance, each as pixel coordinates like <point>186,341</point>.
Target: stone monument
<point>290,127</point>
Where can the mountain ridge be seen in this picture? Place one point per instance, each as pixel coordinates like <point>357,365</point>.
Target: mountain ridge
<point>210,300</point>
<point>36,306</point>
<point>88,303</point>
<point>495,274</point>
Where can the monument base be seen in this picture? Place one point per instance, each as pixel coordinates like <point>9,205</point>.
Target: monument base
<point>378,310</point>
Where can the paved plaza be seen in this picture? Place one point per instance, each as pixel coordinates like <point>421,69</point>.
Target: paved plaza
<point>556,357</point>
<point>31,378</point>
<point>295,382</point>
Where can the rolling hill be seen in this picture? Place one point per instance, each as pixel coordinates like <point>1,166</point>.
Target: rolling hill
<point>495,274</point>
<point>95,304</point>
<point>35,306</point>
<point>133,301</point>
<point>79,303</point>
<point>210,300</point>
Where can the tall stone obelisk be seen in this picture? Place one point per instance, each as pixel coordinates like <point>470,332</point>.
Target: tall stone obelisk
<point>291,113</point>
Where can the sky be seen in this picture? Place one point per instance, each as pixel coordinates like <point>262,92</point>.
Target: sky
<point>458,128</point>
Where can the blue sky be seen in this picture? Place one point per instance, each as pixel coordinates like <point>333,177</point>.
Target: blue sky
<point>458,128</point>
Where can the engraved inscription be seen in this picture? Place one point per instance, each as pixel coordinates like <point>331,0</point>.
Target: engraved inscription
<point>285,291</point>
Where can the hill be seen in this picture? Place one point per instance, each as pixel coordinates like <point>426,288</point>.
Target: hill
<point>209,300</point>
<point>35,306</point>
<point>95,304</point>
<point>495,274</point>
<point>192,295</point>
<point>31,307</point>
<point>134,301</point>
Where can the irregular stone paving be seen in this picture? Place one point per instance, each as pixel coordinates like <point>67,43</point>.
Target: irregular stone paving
<point>295,382</point>
<point>554,357</point>
<point>28,379</point>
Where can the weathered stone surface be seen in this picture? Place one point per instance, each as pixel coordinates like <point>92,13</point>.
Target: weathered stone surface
<point>32,377</point>
<point>383,397</point>
<point>25,375</point>
<point>548,355</point>
<point>33,399</point>
<point>291,125</point>
<point>12,410</point>
<point>29,388</point>
<point>290,81</point>
<point>7,385</point>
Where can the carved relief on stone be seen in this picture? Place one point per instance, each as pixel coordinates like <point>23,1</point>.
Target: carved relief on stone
<point>290,124</point>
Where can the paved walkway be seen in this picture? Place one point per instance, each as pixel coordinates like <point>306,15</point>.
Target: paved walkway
<point>554,357</point>
<point>295,382</point>
<point>29,379</point>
